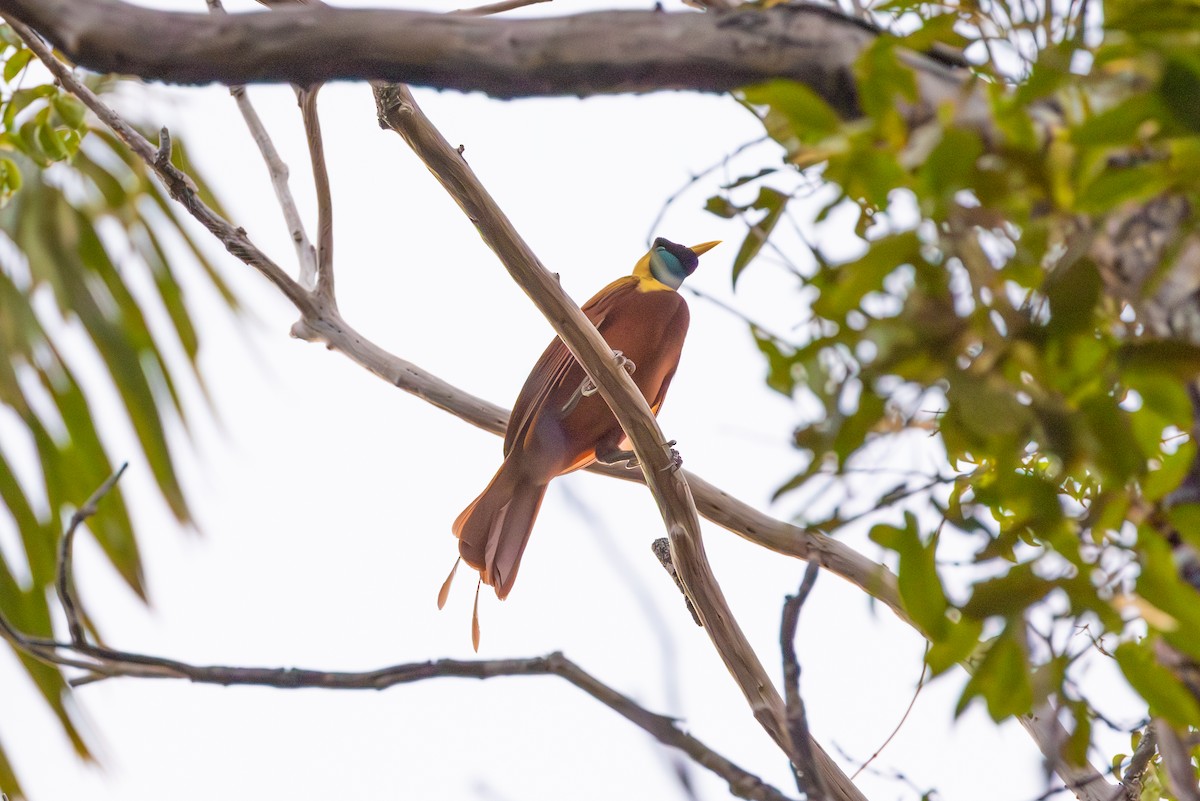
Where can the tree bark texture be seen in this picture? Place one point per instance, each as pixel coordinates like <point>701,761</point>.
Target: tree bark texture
<point>582,54</point>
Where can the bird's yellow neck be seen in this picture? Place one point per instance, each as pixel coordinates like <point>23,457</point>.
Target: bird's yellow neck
<point>646,280</point>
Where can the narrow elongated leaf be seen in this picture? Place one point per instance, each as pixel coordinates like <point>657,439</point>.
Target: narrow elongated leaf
<point>773,203</point>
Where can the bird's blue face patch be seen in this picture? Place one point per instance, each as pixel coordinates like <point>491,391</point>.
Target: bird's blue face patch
<point>666,267</point>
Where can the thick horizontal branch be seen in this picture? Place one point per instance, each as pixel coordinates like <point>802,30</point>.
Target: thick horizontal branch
<point>583,54</point>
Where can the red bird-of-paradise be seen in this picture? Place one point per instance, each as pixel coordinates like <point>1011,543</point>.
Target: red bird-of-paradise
<point>559,423</point>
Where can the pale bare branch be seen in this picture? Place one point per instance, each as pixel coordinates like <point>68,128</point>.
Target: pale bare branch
<point>306,254</point>
<point>278,172</point>
<point>307,98</point>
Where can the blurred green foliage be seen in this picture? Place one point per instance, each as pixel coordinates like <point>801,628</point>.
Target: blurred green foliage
<point>975,311</point>
<point>86,234</point>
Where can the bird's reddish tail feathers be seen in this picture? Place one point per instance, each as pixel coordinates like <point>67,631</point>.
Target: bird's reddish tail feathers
<point>494,530</point>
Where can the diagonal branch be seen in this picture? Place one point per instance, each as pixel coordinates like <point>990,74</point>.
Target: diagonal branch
<point>399,112</point>
<point>278,173</point>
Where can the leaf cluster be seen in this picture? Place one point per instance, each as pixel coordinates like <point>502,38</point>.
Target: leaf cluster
<point>978,310</point>
<point>89,270</point>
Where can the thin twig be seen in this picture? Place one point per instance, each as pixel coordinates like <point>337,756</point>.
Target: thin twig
<point>66,582</point>
<point>908,710</point>
<point>496,8</point>
<point>278,171</point>
<point>307,97</point>
<point>809,778</point>
<point>696,178</point>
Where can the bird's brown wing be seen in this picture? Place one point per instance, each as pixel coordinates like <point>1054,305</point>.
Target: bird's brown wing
<point>556,361</point>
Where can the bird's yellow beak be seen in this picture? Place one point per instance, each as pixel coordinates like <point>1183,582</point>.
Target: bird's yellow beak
<point>704,247</point>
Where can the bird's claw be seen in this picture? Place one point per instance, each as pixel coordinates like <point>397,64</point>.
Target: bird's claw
<point>588,388</point>
<point>625,362</point>
<point>676,459</point>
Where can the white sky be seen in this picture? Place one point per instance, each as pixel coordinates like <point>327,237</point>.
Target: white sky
<point>325,497</point>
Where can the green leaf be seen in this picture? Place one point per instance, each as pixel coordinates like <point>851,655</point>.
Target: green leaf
<point>951,165</point>
<point>1173,357</point>
<point>1156,484</point>
<point>51,142</point>
<point>959,643</point>
<point>1122,185</point>
<point>8,778</point>
<point>773,203</point>
<point>74,272</point>
<point>1008,595</point>
<point>21,99</point>
<point>781,375</point>
<point>1162,586</point>
<point>1179,87</point>
<point>15,63</point>
<point>800,110</point>
<point>9,36</point>
<point>852,281</point>
<point>1002,678</point>
<point>1166,695</point>
<point>10,180</point>
<point>1119,125</point>
<point>1073,294</point>
<point>720,206</point>
<point>920,587</point>
<point>70,110</point>
<point>1116,452</point>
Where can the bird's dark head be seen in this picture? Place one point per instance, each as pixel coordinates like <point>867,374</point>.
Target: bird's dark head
<point>670,263</point>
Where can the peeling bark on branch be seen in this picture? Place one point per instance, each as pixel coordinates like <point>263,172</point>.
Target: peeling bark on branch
<point>584,54</point>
